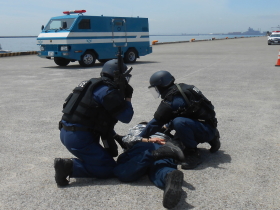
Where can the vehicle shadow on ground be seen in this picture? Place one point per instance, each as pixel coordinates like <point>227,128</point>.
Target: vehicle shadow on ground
<point>141,62</point>
<point>74,67</point>
<point>212,159</point>
<point>96,65</point>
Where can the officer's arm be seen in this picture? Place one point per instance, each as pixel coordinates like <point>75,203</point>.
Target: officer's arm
<point>126,115</point>
<point>152,127</point>
<point>112,101</point>
<point>163,115</point>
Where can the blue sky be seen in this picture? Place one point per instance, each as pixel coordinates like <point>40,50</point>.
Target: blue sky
<point>25,17</point>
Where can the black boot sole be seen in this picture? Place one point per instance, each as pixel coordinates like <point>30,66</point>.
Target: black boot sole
<point>173,189</point>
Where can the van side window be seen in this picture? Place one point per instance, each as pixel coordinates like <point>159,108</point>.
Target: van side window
<point>84,24</point>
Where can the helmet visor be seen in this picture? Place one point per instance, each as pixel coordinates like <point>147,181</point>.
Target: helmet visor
<point>154,92</point>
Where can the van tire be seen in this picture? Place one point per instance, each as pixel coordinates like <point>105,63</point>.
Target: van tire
<point>61,61</point>
<point>130,56</point>
<point>87,59</point>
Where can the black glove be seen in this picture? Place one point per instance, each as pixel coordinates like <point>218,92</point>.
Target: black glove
<point>118,138</point>
<point>128,91</point>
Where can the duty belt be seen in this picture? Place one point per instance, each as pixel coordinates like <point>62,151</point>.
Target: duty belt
<point>74,128</point>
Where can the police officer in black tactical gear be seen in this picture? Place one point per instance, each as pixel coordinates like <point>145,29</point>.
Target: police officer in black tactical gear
<point>187,111</point>
<point>90,112</point>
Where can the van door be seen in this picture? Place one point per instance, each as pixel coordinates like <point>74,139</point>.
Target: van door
<point>119,33</point>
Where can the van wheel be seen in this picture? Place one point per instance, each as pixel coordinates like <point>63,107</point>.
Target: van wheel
<point>88,59</point>
<point>130,56</point>
<point>61,61</point>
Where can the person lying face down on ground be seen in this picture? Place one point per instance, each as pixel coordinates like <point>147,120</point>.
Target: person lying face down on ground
<point>133,137</point>
<point>156,157</point>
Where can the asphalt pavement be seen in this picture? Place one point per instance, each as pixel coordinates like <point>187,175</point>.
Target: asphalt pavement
<point>239,76</point>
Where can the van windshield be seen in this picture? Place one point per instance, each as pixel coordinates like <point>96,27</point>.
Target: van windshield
<point>59,24</point>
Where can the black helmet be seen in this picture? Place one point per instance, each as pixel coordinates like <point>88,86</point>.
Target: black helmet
<point>161,79</point>
<point>110,66</point>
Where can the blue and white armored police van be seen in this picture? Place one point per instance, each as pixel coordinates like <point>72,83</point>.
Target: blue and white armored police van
<point>77,37</point>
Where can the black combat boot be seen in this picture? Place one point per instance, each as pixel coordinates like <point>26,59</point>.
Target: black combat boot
<point>63,168</point>
<point>215,143</point>
<point>173,189</point>
<point>168,150</point>
<point>192,158</point>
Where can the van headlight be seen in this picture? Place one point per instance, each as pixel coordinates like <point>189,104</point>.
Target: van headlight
<point>64,48</point>
<point>42,48</point>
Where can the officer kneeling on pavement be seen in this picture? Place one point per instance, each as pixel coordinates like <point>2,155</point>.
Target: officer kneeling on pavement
<point>187,111</point>
<point>90,112</point>
<point>155,156</point>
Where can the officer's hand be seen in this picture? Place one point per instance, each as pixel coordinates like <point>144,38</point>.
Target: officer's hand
<point>157,140</point>
<point>163,129</point>
<point>128,91</point>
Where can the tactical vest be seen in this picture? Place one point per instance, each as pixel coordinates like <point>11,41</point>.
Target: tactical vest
<point>197,107</point>
<point>81,108</point>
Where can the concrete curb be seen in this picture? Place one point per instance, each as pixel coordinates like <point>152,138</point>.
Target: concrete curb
<point>18,53</point>
<point>212,39</point>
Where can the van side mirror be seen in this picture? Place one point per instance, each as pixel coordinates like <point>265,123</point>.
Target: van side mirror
<point>64,25</point>
<point>42,27</point>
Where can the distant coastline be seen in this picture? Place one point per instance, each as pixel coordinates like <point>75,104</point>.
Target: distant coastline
<point>17,36</point>
<point>206,34</point>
